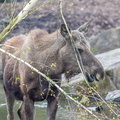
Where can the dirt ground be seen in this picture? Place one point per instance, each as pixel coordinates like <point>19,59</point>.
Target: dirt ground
<point>105,14</point>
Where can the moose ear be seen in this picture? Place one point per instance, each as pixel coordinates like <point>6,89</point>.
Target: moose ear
<point>64,32</point>
<point>84,27</point>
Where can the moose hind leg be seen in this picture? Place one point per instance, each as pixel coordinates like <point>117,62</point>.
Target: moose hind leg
<point>10,104</point>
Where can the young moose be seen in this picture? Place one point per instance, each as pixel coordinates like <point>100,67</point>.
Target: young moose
<point>53,55</point>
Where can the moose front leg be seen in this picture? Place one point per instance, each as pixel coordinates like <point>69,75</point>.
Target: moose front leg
<point>10,104</point>
<point>52,108</point>
<point>26,111</point>
<point>52,104</point>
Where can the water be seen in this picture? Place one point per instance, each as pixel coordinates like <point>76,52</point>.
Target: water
<point>40,107</point>
<point>66,110</point>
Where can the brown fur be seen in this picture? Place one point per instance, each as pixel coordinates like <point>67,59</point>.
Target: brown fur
<point>53,55</point>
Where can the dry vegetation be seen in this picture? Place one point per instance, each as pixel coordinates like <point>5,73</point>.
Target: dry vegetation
<point>104,15</point>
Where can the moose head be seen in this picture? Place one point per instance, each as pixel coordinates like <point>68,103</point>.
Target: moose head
<point>91,65</point>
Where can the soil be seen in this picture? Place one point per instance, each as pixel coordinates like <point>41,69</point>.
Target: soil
<point>105,14</point>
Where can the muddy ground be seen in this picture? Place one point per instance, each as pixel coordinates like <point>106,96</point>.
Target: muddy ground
<point>105,14</point>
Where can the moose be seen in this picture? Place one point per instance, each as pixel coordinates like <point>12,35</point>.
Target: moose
<point>53,55</point>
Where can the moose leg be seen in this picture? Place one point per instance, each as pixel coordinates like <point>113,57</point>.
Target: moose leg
<point>52,105</point>
<point>10,104</point>
<point>52,108</point>
<point>26,111</point>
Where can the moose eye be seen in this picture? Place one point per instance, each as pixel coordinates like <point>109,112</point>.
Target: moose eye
<point>80,50</point>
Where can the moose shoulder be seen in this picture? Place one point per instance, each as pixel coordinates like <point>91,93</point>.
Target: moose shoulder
<point>53,55</point>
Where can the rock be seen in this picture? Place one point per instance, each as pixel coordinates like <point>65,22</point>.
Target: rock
<point>110,60</point>
<point>107,40</point>
<point>113,97</point>
<point>116,77</point>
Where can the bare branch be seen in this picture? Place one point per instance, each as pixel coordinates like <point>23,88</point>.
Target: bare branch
<point>48,79</point>
<point>78,56</point>
<point>24,13</point>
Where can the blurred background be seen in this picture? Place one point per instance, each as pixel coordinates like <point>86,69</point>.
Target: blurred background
<point>104,37</point>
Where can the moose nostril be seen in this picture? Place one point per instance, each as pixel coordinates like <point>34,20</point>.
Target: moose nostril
<point>92,76</point>
<point>89,77</point>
